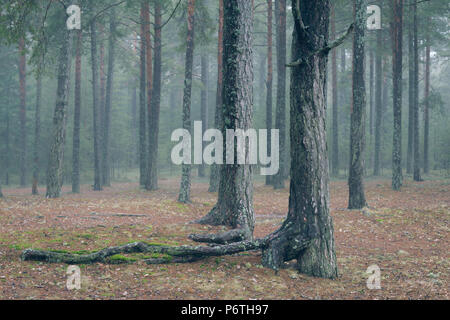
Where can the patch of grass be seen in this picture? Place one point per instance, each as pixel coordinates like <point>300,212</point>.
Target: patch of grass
<point>118,258</point>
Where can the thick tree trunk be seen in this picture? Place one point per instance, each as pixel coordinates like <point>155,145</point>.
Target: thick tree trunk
<point>77,118</point>
<point>108,100</point>
<point>215,168</point>
<point>152,183</point>
<point>234,206</point>
<point>357,198</point>
<point>397,177</point>
<point>95,107</point>
<point>23,113</point>
<point>280,121</point>
<point>378,103</point>
<point>269,82</point>
<point>426,115</point>
<point>308,216</point>
<point>55,163</point>
<point>416,148</point>
<point>335,103</point>
<point>37,134</point>
<point>204,102</point>
<point>185,185</point>
<point>142,104</point>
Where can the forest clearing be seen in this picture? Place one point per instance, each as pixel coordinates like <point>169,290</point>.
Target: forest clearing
<point>406,234</point>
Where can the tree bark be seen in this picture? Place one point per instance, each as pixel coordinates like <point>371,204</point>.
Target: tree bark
<point>204,102</point>
<point>142,103</point>
<point>23,112</point>
<point>426,115</point>
<point>56,156</point>
<point>37,134</point>
<point>416,148</point>
<point>357,198</point>
<point>215,168</point>
<point>269,82</point>
<point>280,121</point>
<point>397,178</point>
<point>77,117</point>
<point>410,148</point>
<point>335,102</point>
<point>96,107</point>
<point>378,103</point>
<point>185,185</point>
<point>234,206</point>
<point>152,183</point>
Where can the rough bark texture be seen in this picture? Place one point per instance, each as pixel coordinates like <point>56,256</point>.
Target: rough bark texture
<point>234,206</point>
<point>416,148</point>
<point>397,177</point>
<point>142,104</point>
<point>22,113</point>
<point>335,102</point>
<point>185,185</point>
<point>55,162</point>
<point>269,82</point>
<point>357,198</point>
<point>426,115</point>
<point>37,134</point>
<point>152,182</point>
<point>378,103</point>
<point>96,108</point>
<point>77,118</point>
<point>108,100</point>
<point>308,217</point>
<point>215,168</point>
<point>280,121</point>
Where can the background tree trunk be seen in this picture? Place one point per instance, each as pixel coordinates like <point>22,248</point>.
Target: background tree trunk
<point>357,198</point>
<point>397,178</point>
<point>416,147</point>
<point>55,163</point>
<point>280,122</point>
<point>204,103</point>
<point>142,103</point>
<point>308,216</point>
<point>410,150</point>
<point>378,103</point>
<point>77,117</point>
<point>215,169</point>
<point>37,134</point>
<point>185,185</point>
<point>23,112</point>
<point>426,115</point>
<point>155,103</point>
<point>269,82</point>
<point>335,103</point>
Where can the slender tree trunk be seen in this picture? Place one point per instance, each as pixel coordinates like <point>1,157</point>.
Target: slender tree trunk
<point>410,149</point>
<point>77,117</point>
<point>102,105</point>
<point>37,134</point>
<point>204,102</point>
<point>142,103</point>
<point>426,115</point>
<point>416,148</point>
<point>371,93</point>
<point>335,131</point>
<point>56,156</point>
<point>234,206</point>
<point>357,198</point>
<point>280,122</point>
<point>108,100</point>
<point>155,103</point>
<point>23,113</point>
<point>185,185</point>
<point>308,216</point>
<point>397,178</point>
<point>378,103</point>
<point>96,107</point>
<point>269,82</point>
<point>215,168</point>
<point>7,134</point>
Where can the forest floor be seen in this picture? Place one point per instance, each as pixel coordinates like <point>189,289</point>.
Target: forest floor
<point>405,233</point>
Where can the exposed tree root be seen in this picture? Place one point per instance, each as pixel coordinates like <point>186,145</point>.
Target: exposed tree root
<point>234,235</point>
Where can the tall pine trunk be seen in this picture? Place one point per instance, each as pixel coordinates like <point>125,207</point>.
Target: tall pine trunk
<point>357,198</point>
<point>37,134</point>
<point>56,156</point>
<point>152,183</point>
<point>204,102</point>
<point>426,112</point>
<point>378,103</point>
<point>185,185</point>
<point>280,121</point>
<point>335,102</point>
<point>410,148</point>
<point>22,113</point>
<point>95,107</point>
<point>142,103</point>
<point>77,117</point>
<point>397,33</point>
<point>269,82</point>
<point>215,169</point>
<point>416,148</point>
